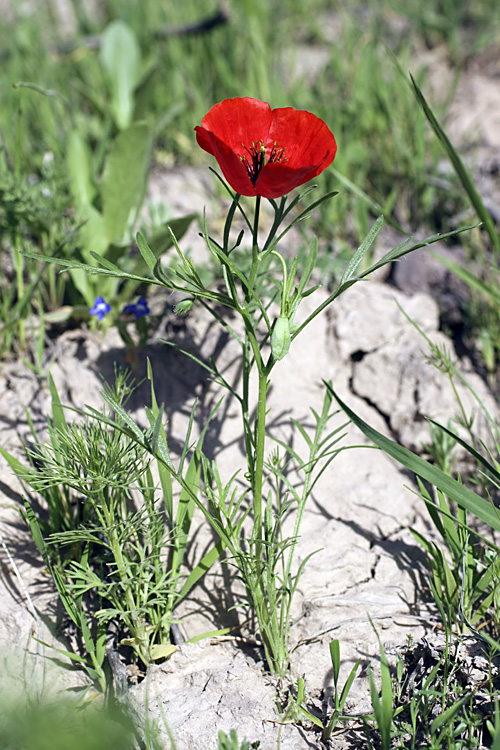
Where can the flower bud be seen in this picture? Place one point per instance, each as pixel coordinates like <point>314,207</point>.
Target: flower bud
<point>184,307</point>
<point>280,337</point>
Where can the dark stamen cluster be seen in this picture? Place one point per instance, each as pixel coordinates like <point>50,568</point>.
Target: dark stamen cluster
<point>256,158</point>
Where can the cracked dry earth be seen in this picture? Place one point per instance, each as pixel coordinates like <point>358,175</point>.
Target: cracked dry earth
<point>367,563</point>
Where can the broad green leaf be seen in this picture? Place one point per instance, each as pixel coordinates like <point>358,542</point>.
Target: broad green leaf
<point>124,179</point>
<point>161,239</point>
<point>78,162</point>
<point>161,651</point>
<point>92,232</point>
<point>60,315</point>
<point>121,59</point>
<point>466,498</point>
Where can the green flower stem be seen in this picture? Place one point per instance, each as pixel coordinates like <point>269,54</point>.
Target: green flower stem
<point>249,444</point>
<point>19,267</point>
<point>255,249</point>
<point>259,574</point>
<point>258,478</point>
<point>256,462</point>
<point>278,218</point>
<point>229,221</point>
<point>284,298</point>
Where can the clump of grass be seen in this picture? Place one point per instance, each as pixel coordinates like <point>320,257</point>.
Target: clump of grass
<point>433,700</point>
<point>113,542</point>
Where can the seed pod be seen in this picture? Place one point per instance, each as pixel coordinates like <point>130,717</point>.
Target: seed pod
<point>280,337</point>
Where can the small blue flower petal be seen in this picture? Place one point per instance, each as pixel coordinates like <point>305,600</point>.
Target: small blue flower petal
<point>139,309</point>
<point>101,308</point>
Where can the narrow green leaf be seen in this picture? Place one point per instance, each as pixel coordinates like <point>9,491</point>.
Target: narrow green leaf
<point>210,634</point>
<point>14,464</point>
<point>35,530</point>
<point>146,251</point>
<point>375,207</point>
<point>335,657</point>
<point>450,487</point>
<point>470,449</point>
<point>203,566</point>
<point>106,263</point>
<point>348,684</point>
<point>449,713</point>
<point>363,249</point>
<point>398,252</point>
<point>157,426</point>
<point>124,416</point>
<point>68,654</point>
<point>312,257</point>
<point>492,293</point>
<point>68,603</point>
<point>459,167</point>
<point>57,410</point>
<point>73,264</point>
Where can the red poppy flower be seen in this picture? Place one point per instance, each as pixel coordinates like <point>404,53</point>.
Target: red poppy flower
<point>264,151</point>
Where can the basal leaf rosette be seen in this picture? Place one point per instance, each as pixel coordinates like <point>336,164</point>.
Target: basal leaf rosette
<point>262,151</point>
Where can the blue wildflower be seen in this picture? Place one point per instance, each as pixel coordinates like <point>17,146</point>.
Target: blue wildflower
<point>139,309</point>
<point>101,308</point>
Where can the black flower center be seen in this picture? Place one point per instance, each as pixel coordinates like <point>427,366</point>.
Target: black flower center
<point>257,157</point>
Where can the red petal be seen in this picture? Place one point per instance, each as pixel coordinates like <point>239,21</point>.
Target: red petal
<point>232,168</point>
<point>308,140</point>
<point>238,122</point>
<point>277,179</point>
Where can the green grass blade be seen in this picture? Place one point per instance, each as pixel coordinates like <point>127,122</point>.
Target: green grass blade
<point>448,714</point>
<point>460,169</point>
<point>473,452</point>
<point>16,466</point>
<point>490,292</point>
<point>57,410</point>
<point>335,657</point>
